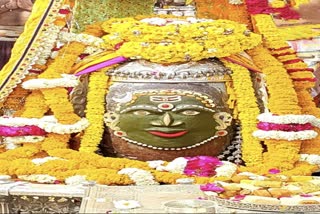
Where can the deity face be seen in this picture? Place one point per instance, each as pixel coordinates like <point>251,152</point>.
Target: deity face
<point>170,121</point>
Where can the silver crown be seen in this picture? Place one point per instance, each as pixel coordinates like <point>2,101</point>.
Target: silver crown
<point>144,71</point>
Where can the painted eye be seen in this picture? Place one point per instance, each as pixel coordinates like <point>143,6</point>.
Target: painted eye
<point>141,113</point>
<point>190,112</point>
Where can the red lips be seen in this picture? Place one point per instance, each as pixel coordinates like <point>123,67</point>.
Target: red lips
<point>168,135</point>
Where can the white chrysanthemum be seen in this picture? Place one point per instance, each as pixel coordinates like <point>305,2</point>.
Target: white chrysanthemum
<point>126,204</point>
<point>226,170</point>
<point>75,180</point>
<point>82,38</point>
<point>139,176</point>
<point>175,166</point>
<point>156,163</point>
<point>283,135</point>
<point>39,178</point>
<point>312,158</point>
<point>48,41</point>
<point>40,161</point>
<point>316,122</point>
<point>65,81</point>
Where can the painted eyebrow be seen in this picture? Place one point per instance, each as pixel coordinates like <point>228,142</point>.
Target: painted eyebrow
<point>191,107</point>
<point>141,107</point>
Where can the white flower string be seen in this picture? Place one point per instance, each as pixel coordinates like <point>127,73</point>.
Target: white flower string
<point>283,135</point>
<point>139,176</point>
<point>65,81</point>
<point>47,123</point>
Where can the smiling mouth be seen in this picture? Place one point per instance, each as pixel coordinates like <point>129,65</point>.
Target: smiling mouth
<point>168,135</point>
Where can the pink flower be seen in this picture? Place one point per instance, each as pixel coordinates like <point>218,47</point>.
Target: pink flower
<point>274,171</point>
<point>306,195</point>
<point>239,197</point>
<point>8,131</point>
<point>64,11</point>
<point>284,127</point>
<point>212,187</point>
<point>202,166</point>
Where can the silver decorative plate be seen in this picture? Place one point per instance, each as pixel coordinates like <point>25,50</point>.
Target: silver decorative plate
<point>265,207</point>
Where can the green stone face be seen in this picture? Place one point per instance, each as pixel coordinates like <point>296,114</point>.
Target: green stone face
<point>169,124</point>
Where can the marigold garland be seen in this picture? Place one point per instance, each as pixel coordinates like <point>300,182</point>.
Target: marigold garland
<point>35,106</point>
<point>9,74</point>
<point>15,101</point>
<point>103,170</point>
<point>55,141</point>
<point>264,23</point>
<point>184,42</point>
<point>248,112</point>
<point>57,100</point>
<point>280,102</point>
<point>19,153</point>
<point>277,81</point>
<point>95,110</point>
<point>62,64</point>
<point>275,158</point>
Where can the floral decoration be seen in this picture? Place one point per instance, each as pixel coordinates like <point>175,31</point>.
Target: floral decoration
<point>95,110</point>
<point>212,187</point>
<point>126,204</point>
<point>202,166</point>
<point>186,38</point>
<point>139,176</point>
<point>248,112</point>
<point>65,81</point>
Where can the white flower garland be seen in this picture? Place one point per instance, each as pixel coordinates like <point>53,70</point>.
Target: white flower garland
<point>40,161</point>
<point>316,122</point>
<point>139,176</point>
<point>82,38</point>
<point>46,44</point>
<point>65,81</point>
<point>75,180</point>
<point>39,178</point>
<point>310,158</point>
<point>282,135</point>
<point>286,119</point>
<point>47,123</point>
<point>175,166</point>
<point>24,139</point>
<point>226,170</point>
<point>155,164</point>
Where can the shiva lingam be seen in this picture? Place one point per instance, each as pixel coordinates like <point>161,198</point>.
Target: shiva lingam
<point>167,111</point>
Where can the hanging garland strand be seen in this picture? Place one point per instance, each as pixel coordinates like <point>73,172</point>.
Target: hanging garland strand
<point>248,112</point>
